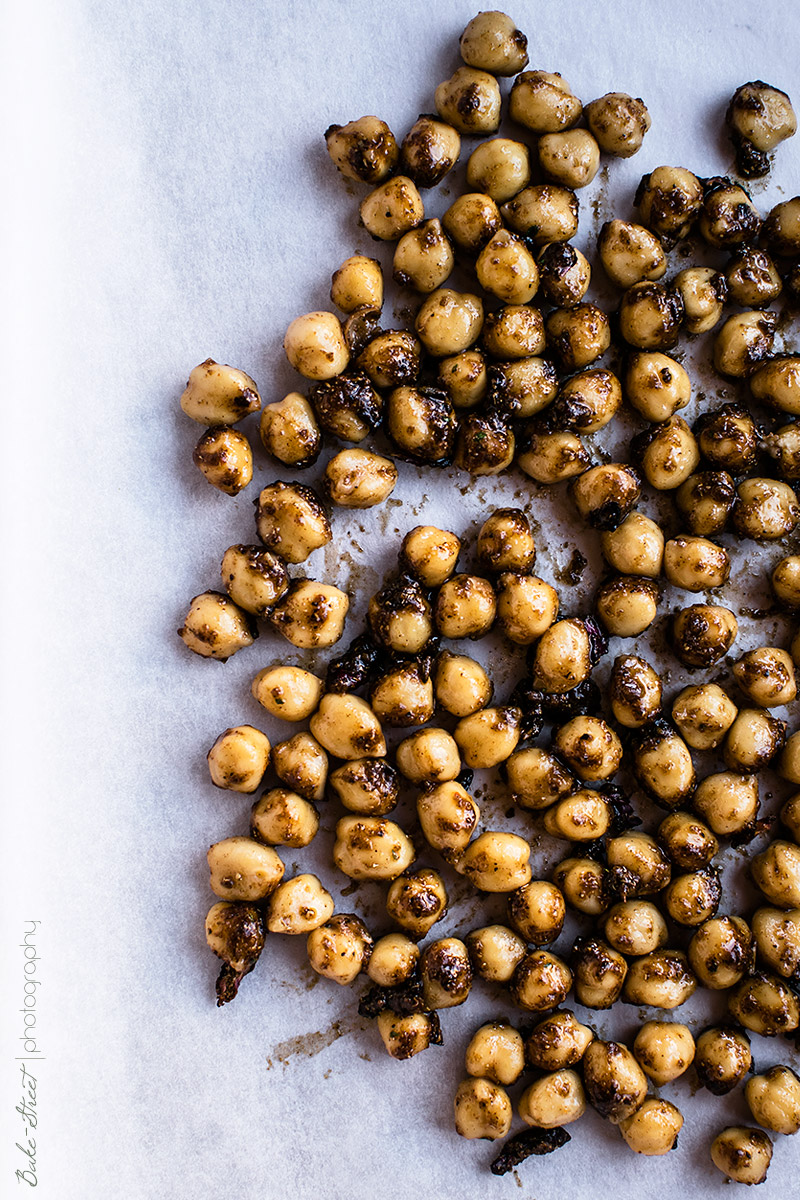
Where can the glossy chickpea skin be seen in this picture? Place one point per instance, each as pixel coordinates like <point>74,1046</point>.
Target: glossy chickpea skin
<point>559,1041</point>
<point>570,158</point>
<point>357,283</point>
<point>630,253</point>
<point>471,221</point>
<point>449,322</point>
<point>495,951</point>
<point>492,42</point>
<point>582,881</point>
<point>540,982</point>
<point>650,316</point>
<point>646,868</point>
<point>696,564</point>
<point>311,614</point>
<point>255,579</point>
<point>340,948</point>
<point>563,657</point>
<point>615,1083</point>
<point>506,269</point>
<point>693,897</point>
<point>583,816</point>
<point>728,217</point>
<point>235,933</point>
<point>552,456</point>
<point>703,715</point>
<point>564,274</point>
<point>346,727</point>
<point>537,911</point>
<point>668,453</point>
<point>429,151</point>
<point>656,385</point>
<point>302,765</point>
<point>764,1004</point>
<point>243,869</point>
<point>448,816</point>
<point>291,521</point>
<point>774,1099</point>
<point>744,340</point>
<point>371,848</point>
<point>578,336</point>
<point>446,973</point>
<point>314,345</point>
<point>664,1050</point>
<point>406,1036</point>
<point>392,209</point>
<point>364,150</point>
<point>669,200</point>
<point>722,1058</point>
<point>722,951</point>
<point>728,438</point>
<point>759,117</point>
<point>599,973</point>
<point>461,685</point>
<point>287,692</point>
<point>217,394</point>
<point>421,423</point>
<point>587,402</point>
<point>484,445</point>
<point>498,168</point>
<point>702,634</point>
<point>687,841</point>
<point>488,737</point>
<point>635,692</point>
<point>391,359</point>
<point>754,739</point>
<point>606,494</point>
<point>526,607</point>
<point>635,927</point>
<point>404,695</point>
<point>627,605</point>
<point>496,1051</point>
<point>423,258</point>
<point>469,101</point>
<point>416,901</point>
<point>662,979</point>
<point>299,905</point>
<point>514,331</point>
<point>765,509</point>
<point>346,407</point>
<point>505,541</point>
<point>704,501</point>
<point>543,102</point>
<point>368,786</point>
<point>589,747</point>
<point>215,627</point>
<point>400,616</point>
<point>497,862</point>
<point>704,292</point>
<point>790,816</point>
<point>289,431</point>
<point>238,759</point>
<point>753,279</point>
<point>634,547</point>
<point>618,122</point>
<point>727,801</point>
<point>785,581</point>
<point>224,457</point>
<point>776,872</point>
<point>544,213</point>
<point>482,1109</point>
<point>554,1100</point>
<point>777,934</point>
<point>393,960</point>
<point>781,230</point>
<point>429,554</point>
<point>653,1129</point>
<point>359,478</point>
<point>527,385</point>
<point>536,779</point>
<point>282,818</point>
<point>766,676</point>
<point>466,606</point>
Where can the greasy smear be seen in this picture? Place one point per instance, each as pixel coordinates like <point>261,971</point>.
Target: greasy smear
<point>306,1045</point>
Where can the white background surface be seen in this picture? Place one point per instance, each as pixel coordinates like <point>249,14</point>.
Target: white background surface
<point>171,198</point>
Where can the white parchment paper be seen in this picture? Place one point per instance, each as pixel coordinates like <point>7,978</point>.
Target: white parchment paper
<point>171,198</point>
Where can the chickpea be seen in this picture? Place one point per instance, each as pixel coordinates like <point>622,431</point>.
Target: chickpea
<point>404,695</point>
<point>371,848</point>
<point>282,818</point>
<point>722,1058</point>
<point>310,614</point>
<point>662,979</point>
<point>630,253</point>
<point>668,453</point>
<point>557,1042</point>
<point>790,816</point>
<point>564,274</point>
<point>634,691</point>
<point>507,269</point>
<point>753,740</point>
<point>346,727</point>
<point>618,122</point>
<point>429,756</point>
<point>654,1128</point>
<point>781,230</point>
<point>216,394</point>
<point>358,283</point>
<point>291,521</point>
<point>492,42</point>
<point>359,478</point>
<point>496,1051</point>
<point>689,843</point>
<point>238,759</point>
<point>765,510</point>
<point>728,438</point>
<point>600,972</point>
<point>471,221</point>
<point>703,715</point>
<point>359,328</point>
<point>759,117</point>
<point>287,692</point>
<point>553,1100</point>
<point>543,102</point>
<point>527,385</point>
<point>785,581</point>
<point>368,786</point>
<point>364,150</point>
<point>465,607</point>
<point>774,1099</point>
<point>446,973</point>
<point>634,547</point>
<point>392,209</point>
<point>570,158</point>
<point>589,747</point>
<point>615,1083</point>
<point>417,900</point>
<point>704,292</point>
<point>470,101</point>
<point>448,816</point>
<point>340,948</point>
<point>766,676</point>
<point>461,685</point>
<point>640,862</point>
<point>423,258</point>
<point>536,779</point>
<point>484,446</point>
<point>764,1004</point>
<point>650,316</point>
<point>254,578</point>
<point>540,982</point>
<point>537,912</point>
<point>777,935</point>
<point>583,884</point>
<point>391,359</point>
<point>664,1050</point>
<point>215,627</point>
<point>429,151</point>
<point>702,634</point>
<point>449,322</point>
<point>400,617</point>
<point>695,563</point>
<point>404,1037</point>
<point>544,213</point>
<point>488,737</point>
<point>526,607</point>
<point>497,862</point>
<point>235,933</point>
<point>705,500</point>
<point>299,905</point>
<point>289,431</point>
<point>605,495</point>
<point>552,457</point>
<point>727,801</point>
<point>728,217</point>
<point>776,872</point>
<point>421,422</point>
<point>302,765</point>
<point>583,816</point>
<point>587,402</point>
<point>464,377</point>
<point>495,952</point>
<point>499,168</point>
<point>627,605</point>
<point>635,927</point>
<point>243,869</point>
<point>753,279</point>
<point>744,340</point>
<point>722,952</point>
<point>347,407</point>
<point>224,457</point>
<point>315,345</point>
<point>514,331</point>
<point>578,336</point>
<point>505,541</point>
<point>393,961</point>
<point>482,1109</point>
<point>694,897</point>
<point>563,657</point>
<point>669,200</point>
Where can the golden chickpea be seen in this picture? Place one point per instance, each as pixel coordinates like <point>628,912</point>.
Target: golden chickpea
<point>650,316</point>
<point>543,102</point>
<point>497,862</point>
<point>528,385</point>
<point>781,230</point>
<point>302,765</point>
<point>578,336</point>
<point>544,213</point>
<point>552,457</point>
<point>470,101</point>
<point>615,1083</point>
<point>694,897</point>
<point>495,951</point>
<point>618,122</point>
<point>445,972</point>
<point>583,884</point>
<point>315,345</point>
<point>404,1037</point>
<point>482,1109</point>
<point>790,816</point>
<point>668,453</point>
<point>766,676</point>
<point>536,779</point>
<point>505,541</point>
<point>589,747</point>
<point>654,1128</point>
<point>238,759</point>
<point>224,457</point>
<point>635,547</point>
<point>728,217</point>
<point>776,872</point>
<point>346,407</point>
<point>282,818</point>
<point>216,394</point>
<point>311,614</point>
<point>514,331</point>
<point>291,521</point>
<point>400,617</point>
<point>627,605</point>
<point>540,982</point>
<point>786,580</point>
<point>484,445</point>
<point>702,634</point>
<point>777,934</point>
<point>416,900</point>
<point>630,253</point>
<point>554,1100</point>
<point>704,501</point>
<point>368,786</point>
<point>461,685</point>
<point>299,905</point>
<point>392,209</point>
<point>704,292</point>
<point>557,1042</point>
<point>391,359</point>
<point>583,816</point>
<point>703,714</point>
<point>727,801</point>
<point>499,168</point>
<point>359,478</point>
<point>449,322</point>
<point>688,842</point>
<point>641,861</point>
<point>728,437</point>
<point>423,258</point>
<point>465,378</point>
<point>421,423</point>
<point>235,933</point>
<point>774,1099</point>
<point>287,692</point>
<point>526,607</point>
<point>465,607</point>
<point>759,117</point>
<point>364,150</point>
<point>635,927</point>
<point>635,691</point>
<point>429,554</point>
<point>537,912</point>
<point>563,657</point>
<point>695,563</point>
<point>766,509</point>
<point>496,1051</point>
<point>570,158</point>
<point>722,951</point>
<point>346,727</point>
<point>744,340</point>
<point>753,279</point>
<point>430,756</point>
<point>507,269</point>
<point>764,1004</point>
<point>669,199</point>
<point>340,948</point>
<point>664,1050</point>
<point>429,150</point>
<point>605,495</point>
<point>662,979</point>
<point>289,431</point>
<point>488,737</point>
<point>215,627</point>
<point>722,1058</point>
<point>243,869</point>
<point>492,42</point>
<point>448,816</point>
<point>753,740</point>
<point>255,579</point>
<point>587,402</point>
<point>371,848</point>
<point>403,695</point>
<point>599,973</point>
<point>471,221</point>
<point>358,283</point>
<point>393,961</point>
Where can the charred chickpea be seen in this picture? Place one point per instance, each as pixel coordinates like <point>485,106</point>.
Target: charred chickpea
<point>774,1099</point>
<point>722,951</point>
<point>357,283</point>
<point>488,737</point>
<point>423,258</point>
<point>537,912</point>
<point>664,1050</point>
<point>471,221</point>
<point>662,764</point>
<point>728,217</point>
<point>727,801</point>
<point>582,882</point>
<point>400,617</point>
<point>544,212</point>
<point>578,336</point>
<point>694,897</point>
<point>283,818</point>
<point>347,407</point>
<point>446,973</point>
<point>496,1051</point>
<point>564,656</point>
<point>728,437</point>
<point>340,948</point>
<point>364,150</point>
<point>662,979</point>
<point>469,101</point>
<point>656,385</point>
<point>449,322</point>
<point>526,607</point>
<point>403,695</point>
<point>753,279</point>
<point>554,1100</point>
<point>429,756</point>
<point>702,634</point>
<point>360,328</point>
<point>765,509</point>
<point>635,692</point>
<point>392,209</point>
<point>291,521</point>
<point>302,765</point>
<point>482,1109</point>
<point>404,1037</point>
<point>498,168</point>
<point>311,614</point>
<point>564,274</point>
<point>587,402</point>
<point>639,863</point>
<point>759,117</point>
<point>505,541</point>
<point>753,741</point>
<point>461,685</point>
<point>744,340</point>
<point>238,759</point>
<point>465,607</point>
<point>536,779</point>
<point>371,848</point>
<point>346,727</point>
<point>630,253</point>
<point>688,842</point>
<point>484,445</point>
<point>599,971</point>
<point>421,423</point>
<point>243,869</point>
<point>552,456</point>
<point>766,676</point>
<point>506,269</point>
<point>497,862</point>
<point>289,431</point>
<point>582,816</point>
<point>764,1004</point>
<point>704,501</point>
<point>703,715</point>
<point>695,563</point>
<point>781,230</point>
<point>589,747</point>
<point>223,455</point>
<point>704,292</point>
<point>650,316</point>
<point>514,331</point>
<point>215,627</point>
<point>235,933</point>
<point>416,900</point>
<point>668,453</point>
<point>299,905</point>
<point>527,385</point>
<point>669,200</point>
<point>429,150</point>
<point>605,495</point>
<point>216,394</point>
<point>634,547</point>
<point>635,927</point>
<point>615,1083</point>
<point>557,1042</point>
<point>465,378</point>
<point>287,692</point>
<point>448,816</point>
<point>722,1058</point>
<point>540,982</point>
<point>776,872</point>
<point>785,580</point>
<point>368,786</point>
<point>653,1129</point>
<point>359,479</point>
<point>255,579</point>
<point>392,358</point>
<point>627,605</point>
<point>543,102</point>
<point>618,122</point>
<point>777,934</point>
<point>495,951</point>
<point>429,554</point>
<point>570,158</point>
<point>393,960</point>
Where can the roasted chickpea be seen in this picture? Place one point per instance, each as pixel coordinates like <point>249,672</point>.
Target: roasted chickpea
<point>404,1037</point>
<point>753,740</point>
<point>298,905</point>
<point>727,801</point>
<point>484,445</point>
<point>526,607</point>
<point>492,42</point>
<point>543,102</point>
<point>703,715</point>
<point>759,117</point>
<point>347,407</point>
<point>600,972</point>
<point>470,101</point>
<point>728,217</point>
<point>722,952</point>
<point>495,952</point>
<point>552,457</point>
<point>429,150</point>
<point>216,394</point>
<point>224,457</point>
<point>400,617</point>
<point>371,848</point>
<point>496,1051</point>
<point>781,230</point>
<point>627,605</point>
<point>368,786</point>
<point>540,982</point>
<point>766,676</point>
<point>359,478</point>
<point>421,422</point>
<point>605,495</point>
<point>358,283</point>
<point>497,862</point>
<point>702,634</point>
<point>634,547</point>
<point>638,864</point>
<point>578,335</point>
<point>704,501</point>
<point>393,960</point>
<point>346,727</point>
<point>449,322</point>
<point>662,979</point>
<point>536,779</point>
<point>635,927</point>
<point>694,897</point>
<point>289,431</point>
<point>630,253</point>
<point>583,884</point>
<point>461,685</point>
<point>669,199</point>
<point>364,150</point>
<point>526,385</point>
<point>465,607</point>
<point>340,948</point>
<point>664,1050</point>
<point>403,695</point>
<point>653,1129</point>
<point>688,842</point>
<point>235,933</point>
<point>753,279</point>
<point>764,1004</point>
<point>507,269</point>
<point>656,385</point>
<point>310,614</point>
<point>287,692</point>
<point>282,818</point>
<point>514,331</point>
<point>570,158</point>
<point>537,911</point>
<point>471,221</point>
<point>615,1083</point>
<point>744,340</point>
<point>785,580</point>
<point>790,816</point>
<point>499,168</point>
<point>315,345</point>
<point>564,656</point>
<point>239,758</point>
<point>586,402</point>
<point>417,900</point>
<point>618,122</point>
<point>564,274</point>
<point>776,872</point>
<point>392,209</point>
<point>429,756</point>
<point>774,1099</point>
<point>650,316</point>
<point>423,258</point>
<point>505,541</point>
<point>482,1109</point>
<point>465,378</point>
<point>704,292</point>
<point>589,747</point>
<point>302,765</point>
<point>777,935</point>
<point>291,521</point>
<point>722,1058</point>
<point>391,359</point>
<point>446,973</point>
<point>243,869</point>
<point>635,691</point>
<point>557,1042</point>
<point>544,213</point>
<point>553,1100</point>
<point>695,563</point>
<point>765,509</point>
<point>488,737</point>
<point>583,816</point>
<point>215,627</point>
<point>728,437</point>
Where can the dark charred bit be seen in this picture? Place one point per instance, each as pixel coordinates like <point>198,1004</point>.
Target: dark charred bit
<point>621,883</point>
<point>465,777</point>
<point>403,1000</point>
<point>750,832</point>
<point>598,641</point>
<point>424,661</point>
<point>498,400</point>
<point>484,443</point>
<point>558,707</point>
<point>238,932</point>
<point>622,815</point>
<point>360,327</point>
<point>345,402</point>
<point>354,669</point>
<point>228,982</point>
<point>530,1142</point>
<point>595,850</point>
<point>435,1036</point>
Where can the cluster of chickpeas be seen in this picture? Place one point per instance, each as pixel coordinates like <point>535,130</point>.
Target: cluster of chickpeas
<point>486,380</point>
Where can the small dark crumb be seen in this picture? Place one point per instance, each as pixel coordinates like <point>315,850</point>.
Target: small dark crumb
<point>523,1145</point>
<point>402,1000</point>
